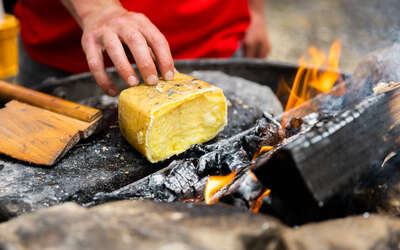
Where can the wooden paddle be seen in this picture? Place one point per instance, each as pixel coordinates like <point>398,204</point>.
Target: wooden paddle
<point>40,128</point>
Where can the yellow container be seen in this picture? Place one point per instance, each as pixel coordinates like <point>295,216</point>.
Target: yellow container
<point>9,29</point>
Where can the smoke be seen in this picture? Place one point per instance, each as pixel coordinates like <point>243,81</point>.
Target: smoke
<point>380,66</point>
<point>375,23</point>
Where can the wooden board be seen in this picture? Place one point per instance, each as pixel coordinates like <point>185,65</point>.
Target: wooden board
<point>37,135</point>
<point>11,91</point>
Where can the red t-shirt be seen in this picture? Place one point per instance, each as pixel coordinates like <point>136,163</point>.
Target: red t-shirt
<point>193,28</point>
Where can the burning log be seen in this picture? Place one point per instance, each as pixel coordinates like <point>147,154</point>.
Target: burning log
<point>312,88</point>
<point>314,166</point>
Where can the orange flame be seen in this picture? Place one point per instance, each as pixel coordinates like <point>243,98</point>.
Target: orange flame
<point>257,205</point>
<point>253,176</point>
<point>309,81</point>
<point>214,184</point>
<point>262,150</point>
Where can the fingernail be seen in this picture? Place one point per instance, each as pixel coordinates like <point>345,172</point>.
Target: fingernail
<point>112,92</point>
<point>176,71</point>
<point>152,80</point>
<point>169,76</point>
<point>132,81</point>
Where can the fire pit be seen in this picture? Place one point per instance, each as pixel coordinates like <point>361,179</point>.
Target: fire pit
<point>106,162</point>
<point>310,164</point>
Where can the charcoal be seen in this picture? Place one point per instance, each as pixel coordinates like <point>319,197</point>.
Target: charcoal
<point>242,192</point>
<point>183,178</point>
<point>249,189</point>
<point>225,159</point>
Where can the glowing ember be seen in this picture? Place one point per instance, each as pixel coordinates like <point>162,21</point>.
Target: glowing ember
<point>190,200</point>
<point>262,150</point>
<point>257,205</point>
<point>308,81</point>
<point>214,184</point>
<point>253,176</point>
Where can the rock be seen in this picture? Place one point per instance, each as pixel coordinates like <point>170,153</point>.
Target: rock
<point>137,225</point>
<point>149,225</point>
<point>252,93</point>
<point>381,65</point>
<point>352,233</point>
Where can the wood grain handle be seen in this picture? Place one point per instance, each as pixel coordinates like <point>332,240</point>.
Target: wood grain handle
<point>52,103</point>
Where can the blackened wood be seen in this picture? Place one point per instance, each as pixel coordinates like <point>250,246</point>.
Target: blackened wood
<point>185,178</point>
<point>336,152</point>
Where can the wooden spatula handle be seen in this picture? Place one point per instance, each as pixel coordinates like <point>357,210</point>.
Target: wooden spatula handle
<point>52,103</point>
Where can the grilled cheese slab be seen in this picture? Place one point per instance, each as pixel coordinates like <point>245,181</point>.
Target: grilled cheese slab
<point>165,120</point>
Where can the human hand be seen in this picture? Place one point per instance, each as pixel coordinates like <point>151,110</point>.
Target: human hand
<point>104,29</point>
<point>256,42</point>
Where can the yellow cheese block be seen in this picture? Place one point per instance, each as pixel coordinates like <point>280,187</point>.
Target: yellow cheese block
<point>164,120</point>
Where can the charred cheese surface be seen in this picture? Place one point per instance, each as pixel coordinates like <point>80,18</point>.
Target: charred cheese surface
<point>164,120</point>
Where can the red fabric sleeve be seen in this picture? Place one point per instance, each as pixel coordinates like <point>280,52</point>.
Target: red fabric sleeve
<point>193,28</point>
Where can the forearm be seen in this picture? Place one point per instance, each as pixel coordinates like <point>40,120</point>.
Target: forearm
<point>80,9</point>
<point>256,42</point>
<point>257,6</point>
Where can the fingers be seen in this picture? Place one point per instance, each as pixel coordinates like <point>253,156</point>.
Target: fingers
<point>159,45</point>
<point>265,48</point>
<point>250,50</point>
<point>94,58</point>
<point>116,52</point>
<point>264,51</point>
<point>147,45</point>
<point>258,49</point>
<point>140,52</point>
<point>261,51</point>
